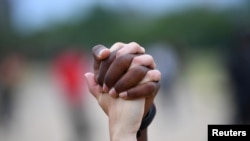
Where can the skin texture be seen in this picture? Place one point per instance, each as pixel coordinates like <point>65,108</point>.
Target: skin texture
<point>131,59</point>
<point>123,99</point>
<point>124,115</point>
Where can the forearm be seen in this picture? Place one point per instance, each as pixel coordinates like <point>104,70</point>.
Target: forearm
<point>125,119</point>
<point>121,136</point>
<point>117,133</point>
<point>144,135</point>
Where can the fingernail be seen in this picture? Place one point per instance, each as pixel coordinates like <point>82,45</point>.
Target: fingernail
<point>86,75</point>
<point>123,94</point>
<point>100,53</point>
<point>143,49</point>
<point>105,88</point>
<point>112,92</point>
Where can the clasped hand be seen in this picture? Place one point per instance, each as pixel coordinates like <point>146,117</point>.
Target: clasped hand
<point>125,82</point>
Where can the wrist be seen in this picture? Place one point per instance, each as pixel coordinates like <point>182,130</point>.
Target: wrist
<point>119,133</point>
<point>146,121</point>
<point>124,121</point>
<point>144,135</point>
<point>118,136</point>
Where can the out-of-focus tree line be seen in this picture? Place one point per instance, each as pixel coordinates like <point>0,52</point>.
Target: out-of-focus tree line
<point>191,28</point>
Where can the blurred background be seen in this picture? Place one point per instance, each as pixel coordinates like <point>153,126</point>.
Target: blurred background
<point>201,48</point>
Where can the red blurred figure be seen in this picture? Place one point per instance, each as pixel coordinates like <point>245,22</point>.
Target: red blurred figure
<point>69,67</point>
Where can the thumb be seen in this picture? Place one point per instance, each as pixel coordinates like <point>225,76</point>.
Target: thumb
<point>99,53</point>
<point>93,87</point>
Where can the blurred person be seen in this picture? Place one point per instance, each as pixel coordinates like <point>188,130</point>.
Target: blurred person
<point>168,63</point>
<point>10,73</point>
<point>68,69</point>
<point>239,73</point>
<point>127,102</point>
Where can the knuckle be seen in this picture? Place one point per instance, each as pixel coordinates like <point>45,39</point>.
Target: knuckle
<point>124,59</point>
<point>140,70</point>
<point>97,48</point>
<point>151,89</point>
<point>150,57</point>
<point>147,57</point>
<point>150,75</point>
<point>154,75</point>
<point>134,44</point>
<point>118,44</point>
<point>121,59</point>
<point>119,53</point>
<point>137,59</point>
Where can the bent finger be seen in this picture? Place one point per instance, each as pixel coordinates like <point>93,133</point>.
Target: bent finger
<point>130,79</point>
<point>132,47</point>
<point>143,60</point>
<point>117,69</point>
<point>93,87</point>
<point>152,76</point>
<point>116,46</point>
<point>99,53</point>
<point>148,89</point>
<point>104,66</point>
